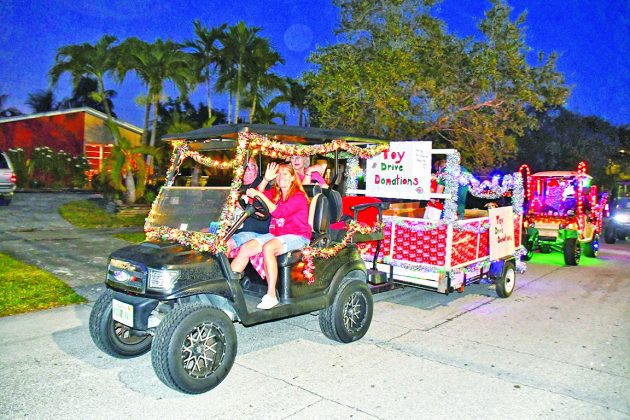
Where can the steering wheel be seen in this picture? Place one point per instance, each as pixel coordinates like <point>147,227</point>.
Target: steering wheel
<point>258,209</point>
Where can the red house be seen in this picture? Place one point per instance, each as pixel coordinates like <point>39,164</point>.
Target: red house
<point>78,131</point>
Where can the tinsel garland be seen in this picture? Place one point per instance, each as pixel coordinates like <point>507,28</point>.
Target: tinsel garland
<point>352,173</point>
<point>429,225</point>
<point>276,149</point>
<point>309,253</point>
<point>427,268</point>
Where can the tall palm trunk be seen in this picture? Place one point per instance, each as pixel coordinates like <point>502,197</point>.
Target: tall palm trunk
<point>145,128</point>
<point>156,103</point>
<point>130,185</point>
<point>238,90</point>
<point>254,102</point>
<point>301,113</point>
<point>101,91</point>
<point>230,109</point>
<point>208,85</point>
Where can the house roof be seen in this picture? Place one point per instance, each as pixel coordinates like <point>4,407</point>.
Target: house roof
<point>287,133</point>
<point>88,110</point>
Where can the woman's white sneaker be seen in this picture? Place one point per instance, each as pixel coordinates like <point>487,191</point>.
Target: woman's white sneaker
<point>267,302</point>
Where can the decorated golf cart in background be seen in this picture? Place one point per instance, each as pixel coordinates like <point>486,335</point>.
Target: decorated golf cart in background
<point>176,294</point>
<point>452,252</point>
<point>564,213</point>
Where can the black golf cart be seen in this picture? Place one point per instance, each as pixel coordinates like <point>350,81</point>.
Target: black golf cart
<point>176,295</point>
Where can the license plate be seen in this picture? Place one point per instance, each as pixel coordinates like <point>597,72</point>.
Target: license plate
<point>122,312</point>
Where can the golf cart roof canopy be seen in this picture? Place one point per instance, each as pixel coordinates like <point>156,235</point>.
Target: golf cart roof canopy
<point>559,174</point>
<point>223,137</point>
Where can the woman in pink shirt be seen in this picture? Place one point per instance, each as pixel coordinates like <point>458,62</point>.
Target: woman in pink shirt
<point>288,230</point>
<point>308,174</point>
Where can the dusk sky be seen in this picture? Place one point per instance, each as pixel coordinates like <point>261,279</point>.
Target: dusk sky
<point>592,38</point>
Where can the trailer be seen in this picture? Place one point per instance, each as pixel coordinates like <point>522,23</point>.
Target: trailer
<point>449,253</point>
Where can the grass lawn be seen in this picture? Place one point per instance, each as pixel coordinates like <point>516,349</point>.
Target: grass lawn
<point>134,237</point>
<point>87,215</point>
<point>25,288</point>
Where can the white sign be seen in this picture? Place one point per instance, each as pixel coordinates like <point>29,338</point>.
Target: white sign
<point>402,171</point>
<point>501,232</point>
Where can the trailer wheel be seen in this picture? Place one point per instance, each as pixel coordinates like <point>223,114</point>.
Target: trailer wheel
<point>350,315</point>
<point>572,251</point>
<point>194,348</point>
<point>591,249</point>
<point>505,284</point>
<point>609,235</point>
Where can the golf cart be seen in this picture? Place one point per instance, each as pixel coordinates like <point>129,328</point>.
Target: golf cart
<point>176,295</point>
<point>617,224</point>
<point>563,213</point>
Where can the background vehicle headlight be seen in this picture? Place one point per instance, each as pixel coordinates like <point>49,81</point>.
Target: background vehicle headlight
<point>162,279</point>
<point>622,217</point>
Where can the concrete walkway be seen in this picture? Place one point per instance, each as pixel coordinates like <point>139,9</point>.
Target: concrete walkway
<point>558,348</point>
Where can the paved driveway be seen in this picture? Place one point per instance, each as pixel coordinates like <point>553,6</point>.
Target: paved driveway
<point>558,348</point>
<point>32,230</point>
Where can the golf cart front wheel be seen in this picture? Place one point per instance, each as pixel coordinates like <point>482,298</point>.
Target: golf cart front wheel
<point>572,251</point>
<point>194,348</point>
<point>112,337</point>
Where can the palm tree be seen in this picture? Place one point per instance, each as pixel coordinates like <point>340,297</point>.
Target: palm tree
<point>266,114</point>
<point>294,93</point>
<point>238,43</point>
<point>42,101</point>
<point>126,161</point>
<point>207,55</point>
<point>155,64</point>
<point>85,93</point>
<point>7,112</point>
<point>96,60</point>
<point>260,81</point>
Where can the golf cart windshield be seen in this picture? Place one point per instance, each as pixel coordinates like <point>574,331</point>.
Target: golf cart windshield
<point>189,208</point>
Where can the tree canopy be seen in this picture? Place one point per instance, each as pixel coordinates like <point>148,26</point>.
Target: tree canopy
<point>398,73</point>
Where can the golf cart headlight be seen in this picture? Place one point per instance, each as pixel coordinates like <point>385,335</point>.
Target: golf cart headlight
<point>162,279</point>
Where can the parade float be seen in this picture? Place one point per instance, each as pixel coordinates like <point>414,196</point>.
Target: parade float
<point>564,213</point>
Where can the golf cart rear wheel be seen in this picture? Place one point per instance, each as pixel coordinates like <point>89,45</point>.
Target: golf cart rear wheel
<point>112,337</point>
<point>350,315</point>
<point>194,348</point>
<point>505,284</point>
<point>572,251</point>
<point>609,235</point>
<point>591,248</point>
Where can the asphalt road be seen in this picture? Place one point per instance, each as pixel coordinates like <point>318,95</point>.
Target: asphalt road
<point>558,348</point>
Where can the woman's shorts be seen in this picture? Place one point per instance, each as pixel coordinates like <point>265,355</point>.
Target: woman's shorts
<point>289,242</point>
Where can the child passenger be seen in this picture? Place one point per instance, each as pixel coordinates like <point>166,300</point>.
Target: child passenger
<point>289,229</point>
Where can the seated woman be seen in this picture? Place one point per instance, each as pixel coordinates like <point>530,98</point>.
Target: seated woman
<point>251,226</point>
<point>308,174</point>
<point>288,231</point>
